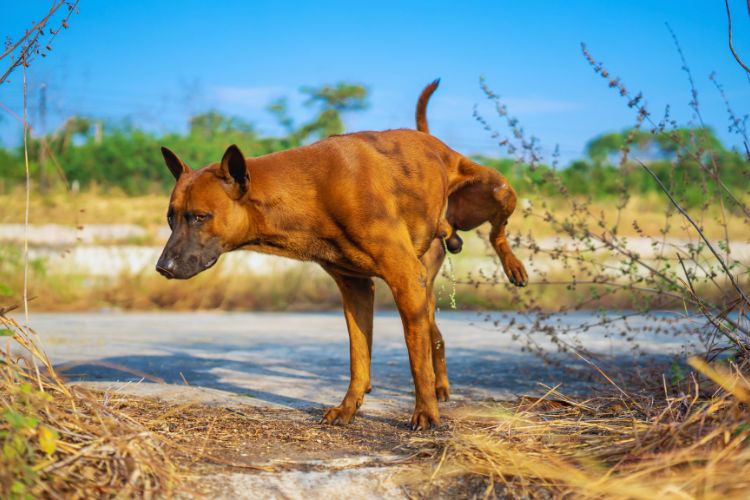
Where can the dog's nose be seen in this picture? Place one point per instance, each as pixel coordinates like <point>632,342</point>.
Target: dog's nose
<point>166,268</point>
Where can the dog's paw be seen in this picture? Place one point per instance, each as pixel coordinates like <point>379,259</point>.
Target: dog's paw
<point>339,415</point>
<point>442,392</point>
<point>515,271</point>
<point>424,418</point>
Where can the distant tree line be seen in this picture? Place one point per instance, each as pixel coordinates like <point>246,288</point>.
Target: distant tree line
<point>611,169</point>
<point>126,157</point>
<point>122,155</point>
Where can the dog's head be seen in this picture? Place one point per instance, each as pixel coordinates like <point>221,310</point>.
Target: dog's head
<point>205,214</point>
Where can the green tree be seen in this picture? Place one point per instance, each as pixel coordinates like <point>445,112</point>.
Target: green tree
<point>332,101</point>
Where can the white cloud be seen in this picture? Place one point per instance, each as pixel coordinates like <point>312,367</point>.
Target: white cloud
<point>538,105</point>
<point>247,97</point>
<point>446,105</point>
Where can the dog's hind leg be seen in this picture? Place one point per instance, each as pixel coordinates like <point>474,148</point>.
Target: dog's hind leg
<point>406,276</point>
<point>433,260</point>
<point>358,297</point>
<point>513,267</point>
<point>484,195</point>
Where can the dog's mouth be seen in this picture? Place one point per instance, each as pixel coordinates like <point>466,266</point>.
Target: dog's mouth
<point>186,272</point>
<point>199,269</point>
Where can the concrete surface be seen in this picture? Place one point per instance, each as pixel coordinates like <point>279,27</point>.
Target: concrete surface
<point>302,360</point>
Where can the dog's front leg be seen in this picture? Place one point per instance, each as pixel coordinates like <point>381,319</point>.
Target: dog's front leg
<point>357,296</point>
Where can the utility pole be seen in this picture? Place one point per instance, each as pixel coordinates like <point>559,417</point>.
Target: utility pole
<point>98,132</point>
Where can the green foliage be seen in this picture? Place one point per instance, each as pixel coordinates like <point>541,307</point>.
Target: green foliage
<point>26,442</point>
<point>665,145</point>
<point>341,97</point>
<point>123,156</point>
<point>119,155</point>
<point>606,172</point>
<point>676,373</point>
<point>331,101</point>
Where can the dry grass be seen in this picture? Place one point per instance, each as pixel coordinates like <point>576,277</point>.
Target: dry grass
<point>149,211</point>
<point>300,289</point>
<point>297,289</point>
<point>308,288</point>
<point>90,207</point>
<point>60,441</point>
<point>687,446</point>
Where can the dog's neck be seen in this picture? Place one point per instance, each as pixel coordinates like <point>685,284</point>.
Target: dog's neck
<point>278,221</point>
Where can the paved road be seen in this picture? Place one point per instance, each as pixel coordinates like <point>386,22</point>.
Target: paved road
<point>301,360</point>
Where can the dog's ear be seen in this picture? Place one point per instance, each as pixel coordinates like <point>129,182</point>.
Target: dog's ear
<point>234,170</point>
<point>176,166</point>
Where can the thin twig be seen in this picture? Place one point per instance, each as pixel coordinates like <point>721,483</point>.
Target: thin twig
<point>731,45</point>
<point>29,42</point>
<point>38,26</point>
<point>698,229</point>
<point>708,315</point>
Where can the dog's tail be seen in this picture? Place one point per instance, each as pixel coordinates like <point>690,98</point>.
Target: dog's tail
<point>424,98</point>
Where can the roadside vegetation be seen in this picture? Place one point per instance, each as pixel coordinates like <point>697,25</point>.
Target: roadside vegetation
<point>675,432</point>
<point>62,441</point>
<point>559,209</point>
<point>691,444</point>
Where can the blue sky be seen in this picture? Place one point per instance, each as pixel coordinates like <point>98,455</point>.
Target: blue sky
<point>158,62</point>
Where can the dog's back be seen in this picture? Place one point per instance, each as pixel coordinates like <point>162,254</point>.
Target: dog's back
<point>373,181</point>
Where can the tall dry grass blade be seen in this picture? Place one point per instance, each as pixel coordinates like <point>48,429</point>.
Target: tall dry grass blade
<point>730,382</point>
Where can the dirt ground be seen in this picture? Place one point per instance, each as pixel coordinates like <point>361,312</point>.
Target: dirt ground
<point>246,451</point>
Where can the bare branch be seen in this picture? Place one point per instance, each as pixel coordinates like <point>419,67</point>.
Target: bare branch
<point>29,42</point>
<point>684,213</point>
<point>731,45</point>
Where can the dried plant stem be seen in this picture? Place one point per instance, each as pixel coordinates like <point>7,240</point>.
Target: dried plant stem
<point>34,29</point>
<point>26,221</point>
<point>695,225</point>
<point>706,310</point>
<point>731,44</point>
<point>28,196</point>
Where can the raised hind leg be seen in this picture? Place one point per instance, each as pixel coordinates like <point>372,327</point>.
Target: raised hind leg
<point>513,267</point>
<point>484,195</point>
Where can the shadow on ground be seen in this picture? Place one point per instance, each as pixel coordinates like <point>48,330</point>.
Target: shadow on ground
<point>316,376</point>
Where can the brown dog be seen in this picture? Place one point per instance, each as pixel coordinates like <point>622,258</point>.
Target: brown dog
<point>362,205</point>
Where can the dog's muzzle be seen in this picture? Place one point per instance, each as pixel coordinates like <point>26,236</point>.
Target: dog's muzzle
<point>183,267</point>
<point>166,267</point>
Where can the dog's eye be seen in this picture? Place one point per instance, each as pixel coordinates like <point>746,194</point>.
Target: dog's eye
<point>196,219</point>
<point>170,220</point>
